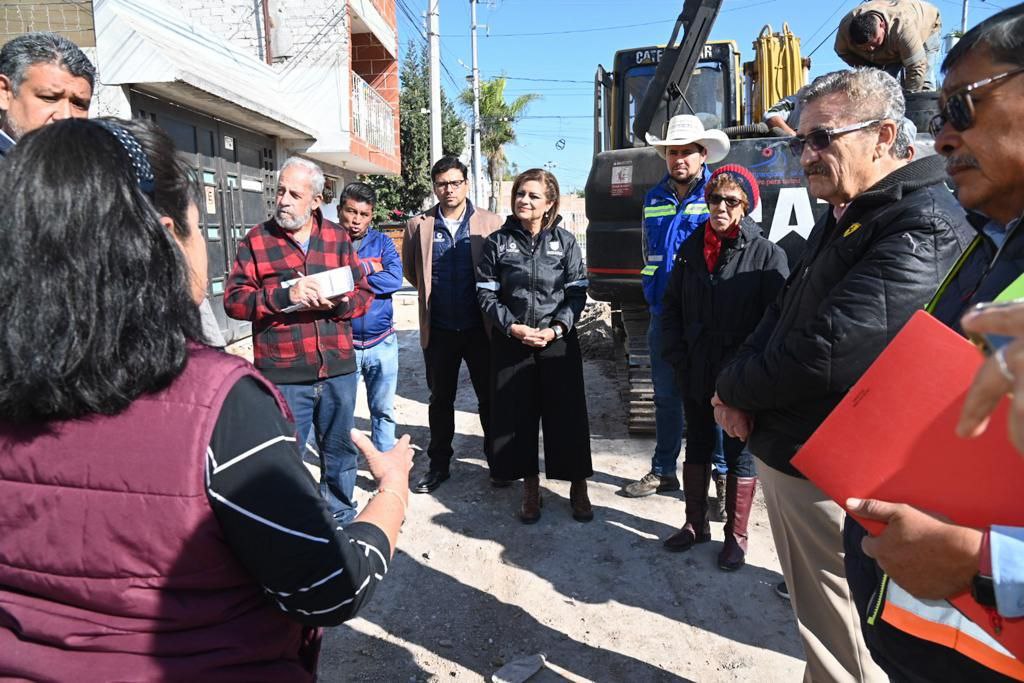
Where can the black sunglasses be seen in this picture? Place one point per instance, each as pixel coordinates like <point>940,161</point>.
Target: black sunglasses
<point>959,108</point>
<point>731,202</point>
<point>821,138</point>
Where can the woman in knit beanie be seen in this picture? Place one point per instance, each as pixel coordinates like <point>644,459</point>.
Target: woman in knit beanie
<point>724,277</point>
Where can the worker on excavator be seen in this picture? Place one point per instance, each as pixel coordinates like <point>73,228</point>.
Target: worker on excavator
<point>897,36</point>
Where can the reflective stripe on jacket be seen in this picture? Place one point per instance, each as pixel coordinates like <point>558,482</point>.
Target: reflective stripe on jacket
<point>667,223</point>
<point>937,621</point>
<point>535,281</point>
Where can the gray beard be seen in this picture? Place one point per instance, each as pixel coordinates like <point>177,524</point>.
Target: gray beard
<point>291,225</point>
<point>8,126</point>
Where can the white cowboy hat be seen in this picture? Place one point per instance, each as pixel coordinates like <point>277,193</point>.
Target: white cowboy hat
<point>685,129</point>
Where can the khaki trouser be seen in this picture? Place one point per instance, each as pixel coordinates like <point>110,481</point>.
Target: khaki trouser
<point>808,530</point>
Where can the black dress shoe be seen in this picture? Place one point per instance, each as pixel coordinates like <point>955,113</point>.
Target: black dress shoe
<point>430,481</point>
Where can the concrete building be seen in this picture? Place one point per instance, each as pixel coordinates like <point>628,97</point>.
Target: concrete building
<point>240,85</point>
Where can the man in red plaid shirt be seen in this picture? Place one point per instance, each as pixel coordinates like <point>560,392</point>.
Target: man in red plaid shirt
<point>307,353</point>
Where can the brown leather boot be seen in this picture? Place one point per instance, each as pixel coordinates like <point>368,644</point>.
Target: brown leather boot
<point>696,529</point>
<point>739,497</point>
<point>529,513</point>
<point>718,509</point>
<point>581,509</point>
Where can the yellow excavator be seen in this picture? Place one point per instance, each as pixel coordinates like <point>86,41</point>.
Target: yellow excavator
<point>644,89</point>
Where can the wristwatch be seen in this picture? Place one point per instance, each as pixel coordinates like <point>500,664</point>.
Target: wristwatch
<point>558,331</point>
<point>983,590</point>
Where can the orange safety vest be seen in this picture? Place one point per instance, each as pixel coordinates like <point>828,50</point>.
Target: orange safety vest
<point>939,622</point>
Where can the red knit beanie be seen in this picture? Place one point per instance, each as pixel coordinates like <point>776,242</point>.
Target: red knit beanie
<point>742,177</point>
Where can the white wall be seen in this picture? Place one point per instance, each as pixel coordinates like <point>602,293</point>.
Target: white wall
<point>315,30</point>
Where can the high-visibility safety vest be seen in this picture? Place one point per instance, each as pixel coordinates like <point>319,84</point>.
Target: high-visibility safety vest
<point>937,621</point>
<point>668,221</point>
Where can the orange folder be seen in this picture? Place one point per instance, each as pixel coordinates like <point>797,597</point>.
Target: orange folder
<point>892,438</point>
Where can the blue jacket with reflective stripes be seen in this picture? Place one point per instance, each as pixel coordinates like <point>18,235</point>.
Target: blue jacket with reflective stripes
<point>667,223</point>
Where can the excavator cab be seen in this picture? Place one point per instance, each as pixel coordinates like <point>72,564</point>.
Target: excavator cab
<point>713,93</point>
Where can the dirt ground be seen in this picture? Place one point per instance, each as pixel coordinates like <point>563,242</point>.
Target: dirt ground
<point>471,589</point>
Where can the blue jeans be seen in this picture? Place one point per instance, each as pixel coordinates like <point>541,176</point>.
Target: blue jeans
<point>378,366</point>
<point>328,408</point>
<point>668,411</point>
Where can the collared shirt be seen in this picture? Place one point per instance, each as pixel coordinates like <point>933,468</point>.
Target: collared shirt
<point>1007,544</point>
<point>998,232</point>
<point>6,143</point>
<point>452,225</point>
<point>299,346</point>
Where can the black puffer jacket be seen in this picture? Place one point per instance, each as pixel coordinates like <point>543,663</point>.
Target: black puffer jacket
<point>706,316</point>
<point>531,281</point>
<point>859,281</point>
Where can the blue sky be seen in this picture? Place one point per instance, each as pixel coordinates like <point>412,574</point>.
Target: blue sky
<point>569,38</point>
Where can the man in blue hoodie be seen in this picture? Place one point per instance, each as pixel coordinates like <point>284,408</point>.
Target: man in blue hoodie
<point>373,334</point>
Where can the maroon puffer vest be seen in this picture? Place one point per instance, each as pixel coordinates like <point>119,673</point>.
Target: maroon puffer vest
<point>112,564</point>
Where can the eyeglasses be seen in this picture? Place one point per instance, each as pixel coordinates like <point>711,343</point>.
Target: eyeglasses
<point>731,202</point>
<point>453,184</point>
<point>820,139</point>
<point>959,108</point>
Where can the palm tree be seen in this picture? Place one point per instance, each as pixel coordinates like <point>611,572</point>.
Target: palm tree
<point>497,125</point>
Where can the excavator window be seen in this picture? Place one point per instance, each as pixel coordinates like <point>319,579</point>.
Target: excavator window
<point>705,96</point>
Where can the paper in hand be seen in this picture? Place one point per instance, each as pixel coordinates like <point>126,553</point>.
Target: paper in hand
<point>333,283</point>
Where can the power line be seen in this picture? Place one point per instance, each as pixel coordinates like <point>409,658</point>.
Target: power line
<point>541,80</point>
<point>603,28</point>
<point>823,24</point>
<point>558,33</point>
<point>411,19</point>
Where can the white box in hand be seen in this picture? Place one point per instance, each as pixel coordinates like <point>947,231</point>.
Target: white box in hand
<point>333,283</point>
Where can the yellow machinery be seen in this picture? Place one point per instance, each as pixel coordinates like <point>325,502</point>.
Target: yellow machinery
<point>777,70</point>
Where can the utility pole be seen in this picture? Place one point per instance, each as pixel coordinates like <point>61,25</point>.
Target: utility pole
<point>433,31</point>
<point>478,176</point>
<point>963,20</point>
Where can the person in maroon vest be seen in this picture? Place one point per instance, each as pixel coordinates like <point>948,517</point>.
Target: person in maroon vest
<point>156,520</point>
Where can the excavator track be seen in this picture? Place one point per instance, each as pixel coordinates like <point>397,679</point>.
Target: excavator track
<point>634,364</point>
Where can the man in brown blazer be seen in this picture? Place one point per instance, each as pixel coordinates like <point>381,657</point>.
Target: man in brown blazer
<point>439,256</point>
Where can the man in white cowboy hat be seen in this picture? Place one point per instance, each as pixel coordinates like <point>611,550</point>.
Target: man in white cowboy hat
<point>673,209</point>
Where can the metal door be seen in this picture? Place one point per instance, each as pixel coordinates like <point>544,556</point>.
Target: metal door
<point>236,173</point>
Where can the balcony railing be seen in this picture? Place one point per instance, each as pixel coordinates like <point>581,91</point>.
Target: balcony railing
<point>373,119</point>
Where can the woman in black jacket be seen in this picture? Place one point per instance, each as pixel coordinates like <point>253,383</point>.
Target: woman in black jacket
<point>725,276</point>
<point>531,283</point>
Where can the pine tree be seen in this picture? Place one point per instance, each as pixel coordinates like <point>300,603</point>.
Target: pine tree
<point>406,194</point>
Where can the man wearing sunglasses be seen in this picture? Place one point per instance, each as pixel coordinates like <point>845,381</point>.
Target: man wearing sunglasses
<point>875,258</point>
<point>440,252</point>
<point>980,132</point>
<point>897,36</point>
